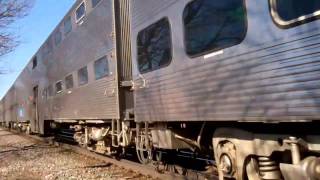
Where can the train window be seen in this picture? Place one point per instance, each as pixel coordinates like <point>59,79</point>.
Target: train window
<point>69,81</point>
<point>57,38</point>
<point>58,87</point>
<point>212,25</point>
<point>95,2</point>
<point>34,62</point>
<point>101,68</point>
<point>47,48</point>
<point>154,46</point>
<point>67,25</point>
<point>288,13</point>
<point>81,11</point>
<point>83,76</point>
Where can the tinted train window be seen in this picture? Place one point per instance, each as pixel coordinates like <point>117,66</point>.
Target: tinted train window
<point>67,25</point>
<point>95,2</point>
<point>212,25</point>
<point>34,62</point>
<point>154,46</point>
<point>101,68</point>
<point>288,10</point>
<point>69,81</point>
<point>83,76</point>
<point>57,38</point>
<point>59,87</point>
<point>80,12</point>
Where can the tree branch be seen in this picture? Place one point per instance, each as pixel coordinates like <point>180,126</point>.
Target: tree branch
<point>10,11</point>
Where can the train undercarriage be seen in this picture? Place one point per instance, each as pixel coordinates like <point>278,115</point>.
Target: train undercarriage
<point>238,151</point>
<point>22,126</point>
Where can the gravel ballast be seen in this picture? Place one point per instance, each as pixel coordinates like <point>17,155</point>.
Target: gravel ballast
<point>24,158</point>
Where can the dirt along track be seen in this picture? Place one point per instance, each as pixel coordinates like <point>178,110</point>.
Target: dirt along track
<point>25,158</point>
<point>31,157</point>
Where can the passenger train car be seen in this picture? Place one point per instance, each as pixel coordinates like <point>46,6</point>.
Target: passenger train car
<point>235,80</point>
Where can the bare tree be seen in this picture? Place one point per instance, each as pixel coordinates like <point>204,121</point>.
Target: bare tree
<point>10,11</point>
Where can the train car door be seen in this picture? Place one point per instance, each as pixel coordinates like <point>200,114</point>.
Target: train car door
<point>35,124</point>
<point>153,52</point>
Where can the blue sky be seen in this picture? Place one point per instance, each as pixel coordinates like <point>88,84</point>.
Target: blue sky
<point>33,30</point>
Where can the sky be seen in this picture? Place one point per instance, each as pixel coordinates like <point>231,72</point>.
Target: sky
<point>32,31</point>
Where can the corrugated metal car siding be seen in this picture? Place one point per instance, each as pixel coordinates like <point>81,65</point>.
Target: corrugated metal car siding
<point>1,112</point>
<point>267,77</point>
<point>143,10</point>
<point>260,85</point>
<point>88,42</point>
<point>24,96</point>
<point>124,33</point>
<point>100,96</point>
<point>7,106</point>
<point>13,104</point>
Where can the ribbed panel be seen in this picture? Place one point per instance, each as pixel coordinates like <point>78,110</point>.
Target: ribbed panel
<point>124,36</point>
<point>149,7</point>
<point>279,82</point>
<point>1,112</point>
<point>98,101</point>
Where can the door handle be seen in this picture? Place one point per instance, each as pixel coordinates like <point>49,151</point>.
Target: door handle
<point>139,83</point>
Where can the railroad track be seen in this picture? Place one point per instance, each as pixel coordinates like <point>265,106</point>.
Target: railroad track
<point>146,170</point>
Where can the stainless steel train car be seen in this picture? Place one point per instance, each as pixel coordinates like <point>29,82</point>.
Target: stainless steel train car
<point>233,80</point>
<point>9,107</point>
<point>1,114</point>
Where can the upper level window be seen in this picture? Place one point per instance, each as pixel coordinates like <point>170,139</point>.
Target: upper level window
<point>67,25</point>
<point>95,2</point>
<point>69,81</point>
<point>154,46</point>
<point>101,68</point>
<point>47,48</point>
<point>83,76</point>
<point>288,13</point>
<point>57,38</point>
<point>34,62</point>
<point>212,25</point>
<point>80,12</point>
<point>58,87</point>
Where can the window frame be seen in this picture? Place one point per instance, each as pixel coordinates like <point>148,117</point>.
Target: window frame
<point>55,87</point>
<point>94,6</point>
<point>78,77</point>
<point>67,19</point>
<point>171,45</point>
<point>34,62</point>
<point>84,14</point>
<point>57,43</point>
<point>292,23</point>
<point>108,68</point>
<point>65,81</point>
<point>215,50</point>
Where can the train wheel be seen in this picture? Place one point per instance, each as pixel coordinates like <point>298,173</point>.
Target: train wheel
<point>143,142</point>
<point>144,152</point>
<point>158,160</point>
<point>226,160</point>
